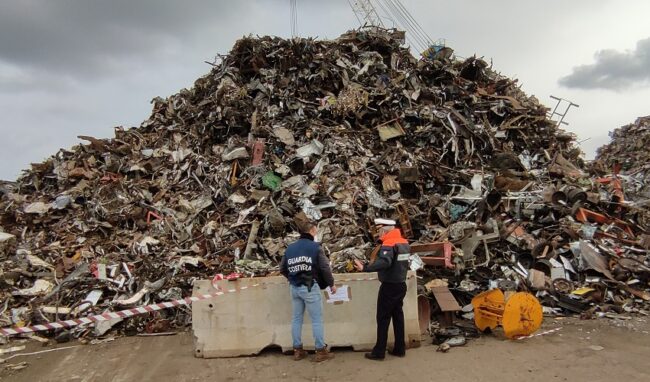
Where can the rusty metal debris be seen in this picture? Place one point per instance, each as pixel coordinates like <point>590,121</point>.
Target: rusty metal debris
<point>220,176</point>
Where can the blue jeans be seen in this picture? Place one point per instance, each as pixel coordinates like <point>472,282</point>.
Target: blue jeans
<point>301,299</point>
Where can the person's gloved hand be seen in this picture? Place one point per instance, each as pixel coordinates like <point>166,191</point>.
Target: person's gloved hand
<point>333,288</point>
<point>358,265</point>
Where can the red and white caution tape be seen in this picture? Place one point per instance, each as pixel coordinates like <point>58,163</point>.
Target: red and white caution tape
<point>539,334</point>
<point>126,313</point>
<point>112,315</point>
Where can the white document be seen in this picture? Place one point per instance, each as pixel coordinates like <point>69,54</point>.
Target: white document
<point>341,294</point>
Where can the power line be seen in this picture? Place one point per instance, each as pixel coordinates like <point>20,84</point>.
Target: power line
<point>293,16</point>
<point>386,12</point>
<point>394,13</point>
<point>405,25</point>
<point>414,30</point>
<point>355,12</point>
<point>420,29</point>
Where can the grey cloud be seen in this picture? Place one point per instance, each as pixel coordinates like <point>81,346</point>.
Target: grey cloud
<point>55,43</point>
<point>16,80</point>
<point>71,68</point>
<point>613,70</point>
<point>93,36</point>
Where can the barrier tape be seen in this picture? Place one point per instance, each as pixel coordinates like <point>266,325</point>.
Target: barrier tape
<point>126,313</point>
<point>539,334</point>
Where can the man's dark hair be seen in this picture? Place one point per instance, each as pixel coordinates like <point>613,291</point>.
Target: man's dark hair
<point>305,227</point>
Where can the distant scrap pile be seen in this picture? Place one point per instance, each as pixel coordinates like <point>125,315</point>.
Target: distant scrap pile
<point>629,152</point>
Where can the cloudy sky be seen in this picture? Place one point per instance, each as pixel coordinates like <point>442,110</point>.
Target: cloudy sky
<point>81,67</point>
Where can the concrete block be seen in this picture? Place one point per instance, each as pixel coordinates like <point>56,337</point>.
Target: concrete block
<point>246,322</point>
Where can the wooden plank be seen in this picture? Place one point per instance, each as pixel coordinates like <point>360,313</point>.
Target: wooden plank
<point>445,299</point>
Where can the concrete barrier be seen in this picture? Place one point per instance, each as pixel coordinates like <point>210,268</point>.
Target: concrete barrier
<point>246,322</point>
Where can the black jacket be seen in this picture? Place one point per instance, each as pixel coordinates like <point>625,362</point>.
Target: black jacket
<point>392,262</point>
<point>304,263</point>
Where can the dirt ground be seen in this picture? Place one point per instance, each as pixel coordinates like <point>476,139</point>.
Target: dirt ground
<point>599,350</point>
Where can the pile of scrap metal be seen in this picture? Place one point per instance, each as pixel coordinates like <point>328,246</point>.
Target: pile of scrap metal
<point>578,239</point>
<point>338,132</point>
<point>627,155</point>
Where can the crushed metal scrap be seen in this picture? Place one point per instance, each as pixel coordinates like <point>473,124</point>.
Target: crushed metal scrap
<point>493,193</point>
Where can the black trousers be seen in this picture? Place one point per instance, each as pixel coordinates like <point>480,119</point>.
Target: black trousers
<point>389,306</point>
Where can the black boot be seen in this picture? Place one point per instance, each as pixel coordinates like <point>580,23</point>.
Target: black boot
<point>397,354</point>
<point>374,357</point>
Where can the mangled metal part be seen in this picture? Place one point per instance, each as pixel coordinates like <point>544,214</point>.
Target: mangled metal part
<point>591,259</point>
<point>390,130</point>
<point>490,233</point>
<point>147,288</point>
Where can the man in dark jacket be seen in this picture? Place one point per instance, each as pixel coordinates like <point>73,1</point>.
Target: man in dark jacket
<point>391,265</point>
<point>304,264</point>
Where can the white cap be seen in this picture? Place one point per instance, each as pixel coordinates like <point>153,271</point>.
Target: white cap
<point>385,222</point>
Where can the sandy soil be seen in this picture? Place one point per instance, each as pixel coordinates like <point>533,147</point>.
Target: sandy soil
<point>602,350</point>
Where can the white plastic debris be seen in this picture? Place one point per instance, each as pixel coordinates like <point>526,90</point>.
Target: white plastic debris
<point>284,135</point>
<point>238,153</point>
<point>39,288</point>
<point>37,208</point>
<point>6,237</point>
<point>237,198</point>
<point>313,148</point>
<point>62,202</point>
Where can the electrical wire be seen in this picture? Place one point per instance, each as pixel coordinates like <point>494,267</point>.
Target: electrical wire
<point>406,25</point>
<point>418,26</point>
<point>383,8</point>
<point>374,11</point>
<point>412,28</point>
<point>409,39</point>
<point>293,17</point>
<point>394,13</point>
<point>393,10</point>
<point>354,10</point>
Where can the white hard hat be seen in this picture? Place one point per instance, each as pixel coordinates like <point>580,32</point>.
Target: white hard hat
<point>385,222</point>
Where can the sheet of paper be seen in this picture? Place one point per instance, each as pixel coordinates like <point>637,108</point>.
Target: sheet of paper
<point>341,294</point>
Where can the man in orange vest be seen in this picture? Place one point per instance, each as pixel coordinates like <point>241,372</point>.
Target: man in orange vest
<point>391,266</point>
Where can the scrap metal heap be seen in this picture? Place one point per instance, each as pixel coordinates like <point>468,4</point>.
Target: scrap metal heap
<point>338,132</point>
<point>628,152</point>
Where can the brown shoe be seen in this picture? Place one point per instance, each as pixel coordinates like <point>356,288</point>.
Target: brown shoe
<point>322,355</point>
<point>299,353</point>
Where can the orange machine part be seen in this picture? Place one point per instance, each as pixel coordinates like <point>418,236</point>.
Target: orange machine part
<point>521,315</point>
<point>488,308</point>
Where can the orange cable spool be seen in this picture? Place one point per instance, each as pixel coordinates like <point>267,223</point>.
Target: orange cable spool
<point>520,315</point>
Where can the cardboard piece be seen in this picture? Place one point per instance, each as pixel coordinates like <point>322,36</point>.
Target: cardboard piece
<point>445,299</point>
